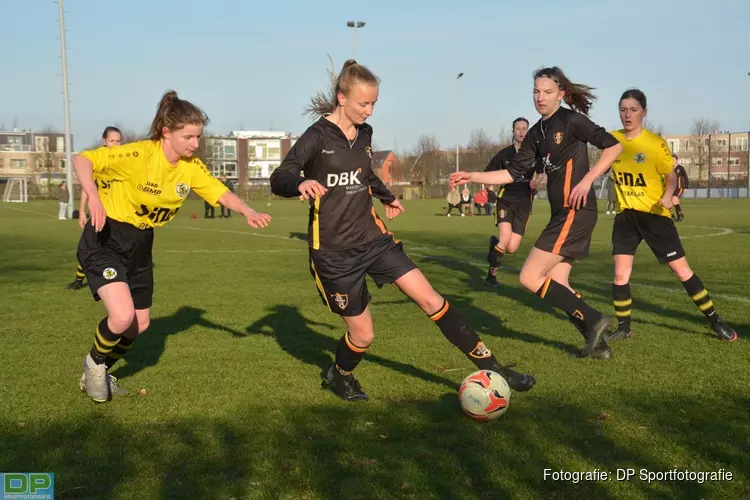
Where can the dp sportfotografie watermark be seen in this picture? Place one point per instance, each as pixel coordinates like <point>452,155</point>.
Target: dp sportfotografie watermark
<point>640,475</point>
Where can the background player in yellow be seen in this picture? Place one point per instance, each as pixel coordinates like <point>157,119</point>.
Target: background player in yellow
<point>645,181</point>
<point>110,137</point>
<point>149,181</point>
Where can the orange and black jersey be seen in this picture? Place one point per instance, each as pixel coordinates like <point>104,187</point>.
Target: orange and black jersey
<point>345,217</point>
<point>682,178</point>
<point>559,144</point>
<point>519,190</point>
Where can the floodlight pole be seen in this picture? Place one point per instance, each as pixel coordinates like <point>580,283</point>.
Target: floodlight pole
<point>458,78</point>
<point>355,25</point>
<point>66,102</point>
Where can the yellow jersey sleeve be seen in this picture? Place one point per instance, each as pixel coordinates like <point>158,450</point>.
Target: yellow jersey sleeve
<point>664,164</point>
<point>206,185</point>
<point>118,162</point>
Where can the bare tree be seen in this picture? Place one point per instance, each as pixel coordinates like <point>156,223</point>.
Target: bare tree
<point>697,145</point>
<point>654,127</point>
<point>44,161</point>
<point>479,151</point>
<point>427,162</point>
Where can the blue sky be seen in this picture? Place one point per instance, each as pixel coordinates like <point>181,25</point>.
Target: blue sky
<point>255,64</point>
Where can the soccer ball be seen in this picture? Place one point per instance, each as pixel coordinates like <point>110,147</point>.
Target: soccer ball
<point>484,395</point>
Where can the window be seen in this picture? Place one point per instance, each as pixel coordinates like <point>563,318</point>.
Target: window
<point>18,164</point>
<point>674,145</point>
<point>230,170</point>
<point>229,151</point>
<point>740,144</point>
<point>274,153</point>
<point>254,171</point>
<point>41,143</point>
<point>15,140</point>
<point>258,150</point>
<point>60,143</point>
<point>716,161</point>
<point>721,142</point>
<point>62,164</point>
<point>734,161</point>
<point>687,144</point>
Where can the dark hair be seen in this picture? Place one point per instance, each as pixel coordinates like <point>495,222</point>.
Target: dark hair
<point>577,95</point>
<point>675,156</point>
<point>351,73</point>
<point>110,129</point>
<point>634,94</point>
<point>174,113</point>
<point>519,119</point>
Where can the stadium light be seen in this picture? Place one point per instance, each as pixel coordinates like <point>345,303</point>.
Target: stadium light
<point>355,25</point>
<point>458,78</point>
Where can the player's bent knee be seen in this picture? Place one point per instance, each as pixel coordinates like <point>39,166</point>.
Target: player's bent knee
<point>120,319</point>
<point>683,273</point>
<point>361,337</point>
<point>529,280</point>
<point>143,325</point>
<point>622,276</point>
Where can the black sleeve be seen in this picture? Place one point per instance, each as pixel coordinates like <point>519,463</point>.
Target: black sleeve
<point>496,163</point>
<point>285,179</point>
<point>525,157</point>
<point>587,131</point>
<point>379,190</point>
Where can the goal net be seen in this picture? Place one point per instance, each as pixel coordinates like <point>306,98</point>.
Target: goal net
<point>17,190</point>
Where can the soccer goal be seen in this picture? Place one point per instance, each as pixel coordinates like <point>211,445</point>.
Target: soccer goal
<point>17,190</point>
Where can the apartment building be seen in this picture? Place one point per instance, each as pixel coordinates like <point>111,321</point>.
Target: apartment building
<point>720,155</point>
<point>36,155</point>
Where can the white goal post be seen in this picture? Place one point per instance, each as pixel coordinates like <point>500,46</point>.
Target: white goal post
<point>17,190</point>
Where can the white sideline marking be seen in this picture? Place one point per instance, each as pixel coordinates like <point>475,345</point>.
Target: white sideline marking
<point>31,212</point>
<point>244,233</point>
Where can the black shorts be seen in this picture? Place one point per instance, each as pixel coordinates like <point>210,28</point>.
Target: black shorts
<point>679,192</point>
<point>568,233</point>
<point>340,274</point>
<point>120,252</point>
<point>632,226</point>
<point>517,213</point>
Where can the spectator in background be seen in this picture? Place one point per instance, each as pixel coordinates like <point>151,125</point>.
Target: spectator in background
<point>230,185</point>
<point>208,210</point>
<point>63,197</point>
<point>465,202</point>
<point>480,200</point>
<point>491,200</point>
<point>454,201</point>
<point>611,194</point>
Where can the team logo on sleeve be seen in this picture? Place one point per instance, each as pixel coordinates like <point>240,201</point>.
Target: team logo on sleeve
<point>110,273</point>
<point>639,158</point>
<point>368,150</point>
<point>182,190</point>
<point>558,137</point>
<point>342,300</point>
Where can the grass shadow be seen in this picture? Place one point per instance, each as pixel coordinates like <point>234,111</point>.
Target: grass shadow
<point>295,336</point>
<point>149,347</point>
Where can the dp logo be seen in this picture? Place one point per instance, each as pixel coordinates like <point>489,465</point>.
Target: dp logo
<point>24,484</point>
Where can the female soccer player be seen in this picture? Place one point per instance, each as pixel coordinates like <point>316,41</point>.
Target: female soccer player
<point>348,240</point>
<point>111,137</point>
<point>559,139</point>
<point>149,182</point>
<point>644,202</point>
<point>682,185</point>
<point>513,206</point>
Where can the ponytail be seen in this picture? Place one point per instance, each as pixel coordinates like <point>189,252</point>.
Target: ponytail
<point>351,72</point>
<point>174,113</point>
<point>577,95</point>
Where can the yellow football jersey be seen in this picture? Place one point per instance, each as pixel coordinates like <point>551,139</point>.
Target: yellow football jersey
<point>639,172</point>
<point>144,189</point>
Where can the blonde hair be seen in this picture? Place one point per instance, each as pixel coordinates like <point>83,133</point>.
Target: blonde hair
<point>351,73</point>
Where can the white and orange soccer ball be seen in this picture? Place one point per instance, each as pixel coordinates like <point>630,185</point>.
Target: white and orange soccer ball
<point>484,395</point>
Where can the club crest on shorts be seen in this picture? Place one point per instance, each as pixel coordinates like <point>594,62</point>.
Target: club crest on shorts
<point>110,273</point>
<point>639,158</point>
<point>502,213</point>
<point>182,190</point>
<point>342,300</point>
<point>558,137</point>
<point>368,150</point>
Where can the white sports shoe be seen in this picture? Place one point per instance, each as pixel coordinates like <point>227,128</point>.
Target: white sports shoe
<point>95,379</point>
<point>114,388</point>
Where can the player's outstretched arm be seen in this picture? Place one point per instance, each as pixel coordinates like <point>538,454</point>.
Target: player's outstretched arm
<point>494,177</point>
<point>235,204</point>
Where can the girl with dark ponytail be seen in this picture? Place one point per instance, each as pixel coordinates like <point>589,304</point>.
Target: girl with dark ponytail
<point>347,238</point>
